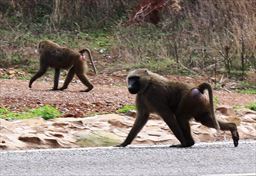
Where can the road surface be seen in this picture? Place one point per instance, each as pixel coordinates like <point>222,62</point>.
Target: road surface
<point>209,159</point>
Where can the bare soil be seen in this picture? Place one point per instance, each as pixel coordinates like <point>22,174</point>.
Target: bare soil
<point>108,95</point>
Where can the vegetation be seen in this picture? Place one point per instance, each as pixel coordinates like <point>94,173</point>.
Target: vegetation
<point>248,91</point>
<point>185,39</point>
<point>46,112</point>
<point>216,101</point>
<point>247,87</point>
<point>126,108</point>
<point>252,106</point>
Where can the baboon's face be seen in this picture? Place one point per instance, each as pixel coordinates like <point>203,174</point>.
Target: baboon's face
<point>138,80</point>
<point>134,84</point>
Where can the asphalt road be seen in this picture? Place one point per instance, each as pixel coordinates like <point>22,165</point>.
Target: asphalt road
<point>202,159</point>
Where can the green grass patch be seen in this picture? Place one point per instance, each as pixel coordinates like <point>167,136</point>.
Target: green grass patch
<point>245,84</point>
<point>156,65</point>
<point>126,108</point>
<point>216,100</point>
<point>46,112</point>
<point>247,91</point>
<point>3,111</point>
<point>246,88</point>
<point>251,106</point>
<point>161,66</point>
<point>100,39</point>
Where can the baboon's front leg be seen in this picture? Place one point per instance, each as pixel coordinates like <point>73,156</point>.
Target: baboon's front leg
<point>140,121</point>
<point>40,72</point>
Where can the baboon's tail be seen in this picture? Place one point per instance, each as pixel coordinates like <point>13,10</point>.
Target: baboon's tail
<point>90,57</point>
<point>206,86</point>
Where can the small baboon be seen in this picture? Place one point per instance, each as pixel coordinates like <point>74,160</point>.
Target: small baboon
<point>176,103</point>
<point>58,57</point>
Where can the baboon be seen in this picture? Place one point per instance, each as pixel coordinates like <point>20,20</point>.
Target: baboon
<point>176,103</point>
<point>58,57</point>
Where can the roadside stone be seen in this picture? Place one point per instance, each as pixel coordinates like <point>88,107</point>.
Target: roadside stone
<point>131,113</point>
<point>30,138</point>
<point>97,139</point>
<point>118,123</point>
<point>107,130</point>
<point>54,143</point>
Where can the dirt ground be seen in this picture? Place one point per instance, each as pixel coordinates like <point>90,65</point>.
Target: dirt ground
<point>108,95</point>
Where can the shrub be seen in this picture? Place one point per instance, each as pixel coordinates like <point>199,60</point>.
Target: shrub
<point>252,106</point>
<point>46,112</point>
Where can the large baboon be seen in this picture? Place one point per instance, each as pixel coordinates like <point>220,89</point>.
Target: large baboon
<point>176,103</point>
<point>57,57</point>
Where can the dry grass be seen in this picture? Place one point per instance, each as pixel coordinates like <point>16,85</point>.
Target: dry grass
<point>212,35</point>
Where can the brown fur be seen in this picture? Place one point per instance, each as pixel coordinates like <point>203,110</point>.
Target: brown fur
<point>58,57</point>
<point>176,103</point>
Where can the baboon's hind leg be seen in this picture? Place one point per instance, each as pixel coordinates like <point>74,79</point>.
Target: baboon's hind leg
<point>85,81</point>
<point>56,79</point>
<point>206,120</point>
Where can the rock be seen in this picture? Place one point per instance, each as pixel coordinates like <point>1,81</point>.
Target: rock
<point>131,113</point>
<point>97,138</point>
<point>56,134</point>
<point>76,126</point>
<point>55,143</point>
<point>4,123</point>
<point>34,122</point>
<point>118,123</point>
<point>250,118</point>
<point>30,138</point>
<point>154,117</point>
<point>226,110</point>
<point>227,114</point>
<point>60,124</point>
<point>107,130</point>
<point>3,146</point>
